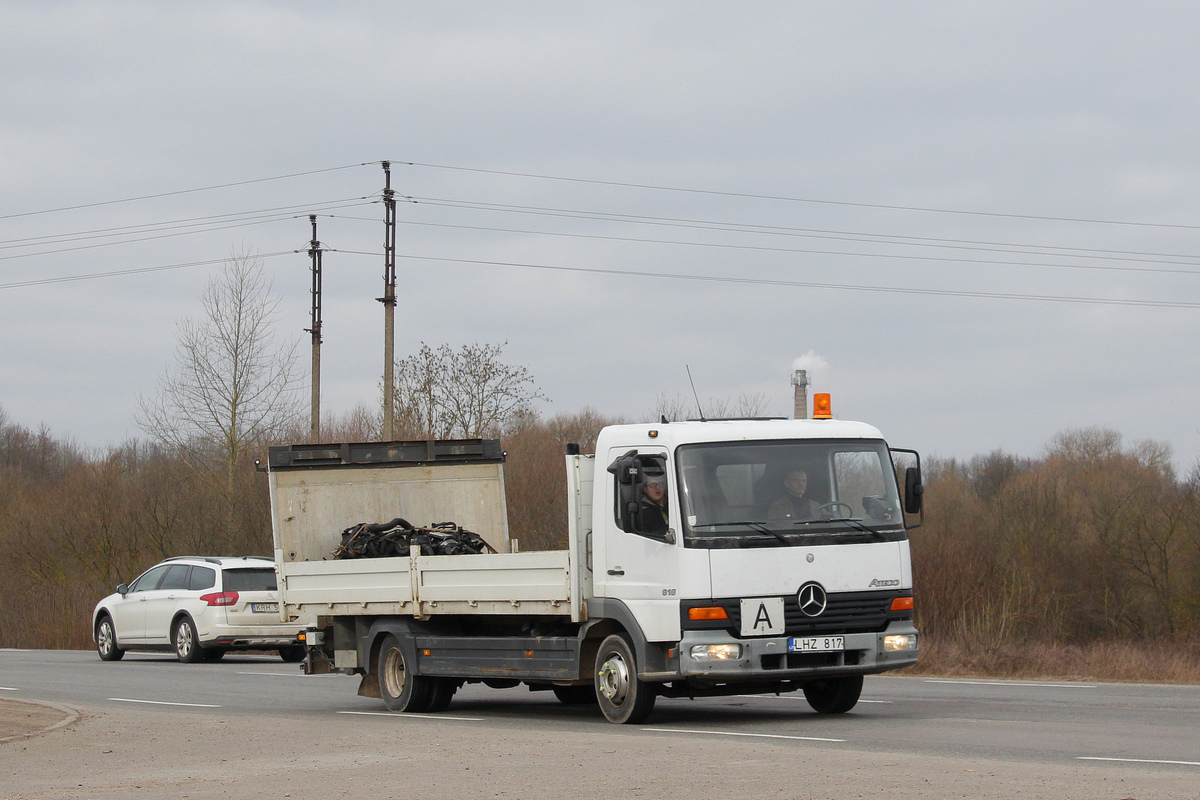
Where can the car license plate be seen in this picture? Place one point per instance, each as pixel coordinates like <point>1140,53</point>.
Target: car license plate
<point>271,608</point>
<point>817,644</point>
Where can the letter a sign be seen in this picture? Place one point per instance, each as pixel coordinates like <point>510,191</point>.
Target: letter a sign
<point>763,616</point>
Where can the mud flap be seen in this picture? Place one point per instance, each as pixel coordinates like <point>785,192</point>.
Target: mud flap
<point>369,686</point>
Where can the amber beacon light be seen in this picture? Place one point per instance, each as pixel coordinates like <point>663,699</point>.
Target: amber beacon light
<point>822,409</point>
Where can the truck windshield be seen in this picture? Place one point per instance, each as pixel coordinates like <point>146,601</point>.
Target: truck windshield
<point>788,493</point>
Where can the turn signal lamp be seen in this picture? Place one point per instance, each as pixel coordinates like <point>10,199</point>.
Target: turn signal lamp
<point>220,598</point>
<point>822,409</point>
<point>902,604</point>
<point>707,612</point>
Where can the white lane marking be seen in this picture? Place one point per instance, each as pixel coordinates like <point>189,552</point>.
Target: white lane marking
<point>288,675</point>
<point>739,733</point>
<point>404,715</point>
<point>1139,760</point>
<point>161,703</point>
<point>1014,683</point>
<point>784,697</point>
<point>8,689</point>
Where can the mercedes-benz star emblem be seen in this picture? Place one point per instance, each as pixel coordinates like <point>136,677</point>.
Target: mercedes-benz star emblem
<point>812,599</point>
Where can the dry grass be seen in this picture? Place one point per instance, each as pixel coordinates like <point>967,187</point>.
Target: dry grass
<point>1135,662</point>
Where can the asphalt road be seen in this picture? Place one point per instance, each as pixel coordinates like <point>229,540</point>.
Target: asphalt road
<point>151,726</point>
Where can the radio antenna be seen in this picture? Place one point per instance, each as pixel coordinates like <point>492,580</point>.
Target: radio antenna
<point>693,383</point>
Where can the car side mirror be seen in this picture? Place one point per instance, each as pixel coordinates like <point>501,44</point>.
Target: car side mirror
<point>123,589</point>
<point>914,490</point>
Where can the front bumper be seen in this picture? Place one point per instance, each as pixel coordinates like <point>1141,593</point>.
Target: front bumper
<point>768,659</point>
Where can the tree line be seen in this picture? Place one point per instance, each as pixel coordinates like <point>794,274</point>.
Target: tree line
<point>1097,540</point>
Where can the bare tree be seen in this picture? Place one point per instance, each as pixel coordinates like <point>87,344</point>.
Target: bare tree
<point>469,392</point>
<point>233,385</point>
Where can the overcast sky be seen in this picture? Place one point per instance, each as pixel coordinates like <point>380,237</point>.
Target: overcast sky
<point>890,183</point>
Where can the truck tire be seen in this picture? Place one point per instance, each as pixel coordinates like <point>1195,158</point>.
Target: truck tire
<point>442,693</point>
<point>400,689</point>
<point>106,640</point>
<point>623,697</point>
<point>834,695</point>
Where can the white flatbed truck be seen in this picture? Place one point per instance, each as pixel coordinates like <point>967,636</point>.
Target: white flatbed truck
<point>718,594</point>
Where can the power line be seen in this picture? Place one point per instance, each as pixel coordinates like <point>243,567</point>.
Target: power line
<point>784,198</point>
<point>207,229</point>
<point>801,284</point>
<point>811,251</point>
<point>325,205</point>
<point>162,268</point>
<point>182,191</point>
<point>780,230</point>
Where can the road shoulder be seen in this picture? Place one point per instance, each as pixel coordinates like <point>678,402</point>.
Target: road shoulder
<point>21,719</point>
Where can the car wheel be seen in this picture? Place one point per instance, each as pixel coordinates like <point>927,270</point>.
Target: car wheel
<point>292,654</point>
<point>214,653</point>
<point>576,695</point>
<point>187,646</point>
<point>623,697</point>
<point>400,688</point>
<point>834,695</point>
<point>106,641</point>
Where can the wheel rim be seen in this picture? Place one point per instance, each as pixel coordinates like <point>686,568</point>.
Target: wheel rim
<point>614,679</point>
<point>183,640</point>
<point>104,637</point>
<point>394,673</point>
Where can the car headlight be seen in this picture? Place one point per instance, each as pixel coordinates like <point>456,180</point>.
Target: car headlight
<point>716,652</point>
<point>900,641</point>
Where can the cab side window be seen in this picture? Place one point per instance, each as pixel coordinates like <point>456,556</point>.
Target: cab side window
<point>640,502</point>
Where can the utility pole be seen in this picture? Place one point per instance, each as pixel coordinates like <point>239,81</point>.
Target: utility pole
<point>314,251</point>
<point>389,303</point>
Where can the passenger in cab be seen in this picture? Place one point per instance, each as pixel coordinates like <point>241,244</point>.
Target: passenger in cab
<point>652,507</point>
<point>793,504</point>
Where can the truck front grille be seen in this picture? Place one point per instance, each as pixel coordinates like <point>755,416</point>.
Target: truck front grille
<point>845,612</point>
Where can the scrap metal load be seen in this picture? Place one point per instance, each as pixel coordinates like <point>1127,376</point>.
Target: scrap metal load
<point>396,538</point>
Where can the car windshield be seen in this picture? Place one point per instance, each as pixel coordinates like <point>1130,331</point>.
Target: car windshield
<point>788,493</point>
<point>249,580</point>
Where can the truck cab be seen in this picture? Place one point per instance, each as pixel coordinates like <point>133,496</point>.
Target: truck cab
<point>784,557</point>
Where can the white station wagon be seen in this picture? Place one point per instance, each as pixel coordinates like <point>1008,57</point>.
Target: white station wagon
<point>200,607</point>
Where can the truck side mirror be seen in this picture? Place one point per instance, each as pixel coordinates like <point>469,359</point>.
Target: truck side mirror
<point>627,469</point>
<point>914,490</point>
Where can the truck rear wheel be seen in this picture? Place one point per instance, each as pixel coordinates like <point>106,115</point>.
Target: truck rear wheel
<point>442,693</point>
<point>834,695</point>
<point>400,689</point>
<point>623,698</point>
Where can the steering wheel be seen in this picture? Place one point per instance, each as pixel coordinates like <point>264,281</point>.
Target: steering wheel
<point>829,509</point>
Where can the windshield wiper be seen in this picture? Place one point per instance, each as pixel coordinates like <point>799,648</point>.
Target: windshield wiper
<point>757,527</point>
<point>853,522</point>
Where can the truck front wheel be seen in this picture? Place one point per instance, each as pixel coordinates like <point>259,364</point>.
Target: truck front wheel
<point>834,695</point>
<point>400,688</point>
<point>623,697</point>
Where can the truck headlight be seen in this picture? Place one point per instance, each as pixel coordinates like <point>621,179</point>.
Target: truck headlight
<point>716,652</point>
<point>900,641</point>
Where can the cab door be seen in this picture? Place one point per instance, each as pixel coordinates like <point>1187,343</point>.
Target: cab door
<point>635,561</point>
